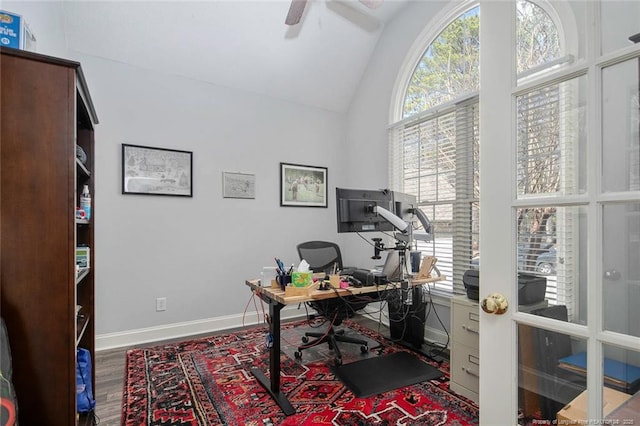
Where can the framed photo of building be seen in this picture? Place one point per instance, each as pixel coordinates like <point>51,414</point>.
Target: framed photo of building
<point>238,185</point>
<point>156,171</point>
<point>303,186</point>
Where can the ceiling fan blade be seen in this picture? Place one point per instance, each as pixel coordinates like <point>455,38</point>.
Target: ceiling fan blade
<point>295,12</point>
<point>372,4</point>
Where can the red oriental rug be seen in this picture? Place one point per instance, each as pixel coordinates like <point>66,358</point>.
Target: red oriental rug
<point>207,381</point>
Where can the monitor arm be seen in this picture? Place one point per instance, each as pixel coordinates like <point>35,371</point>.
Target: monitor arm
<point>426,225</point>
<point>398,223</point>
<point>424,220</point>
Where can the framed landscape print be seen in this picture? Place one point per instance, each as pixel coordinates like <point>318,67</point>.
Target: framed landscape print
<point>156,171</point>
<point>303,186</point>
<point>238,185</point>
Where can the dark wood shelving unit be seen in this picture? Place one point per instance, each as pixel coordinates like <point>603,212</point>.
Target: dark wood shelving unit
<point>46,111</point>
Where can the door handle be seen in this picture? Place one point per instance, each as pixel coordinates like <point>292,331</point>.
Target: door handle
<point>495,303</point>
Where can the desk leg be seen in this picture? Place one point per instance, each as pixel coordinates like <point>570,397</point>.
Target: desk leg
<point>273,386</point>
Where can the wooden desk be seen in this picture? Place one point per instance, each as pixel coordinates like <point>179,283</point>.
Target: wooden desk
<point>277,300</point>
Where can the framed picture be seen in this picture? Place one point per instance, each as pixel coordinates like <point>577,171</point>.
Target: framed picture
<point>156,171</point>
<point>303,186</point>
<point>238,185</point>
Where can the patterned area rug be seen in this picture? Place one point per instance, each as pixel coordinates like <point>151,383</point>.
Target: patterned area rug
<point>207,381</point>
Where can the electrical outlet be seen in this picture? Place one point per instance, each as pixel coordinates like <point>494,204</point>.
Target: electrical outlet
<point>161,304</point>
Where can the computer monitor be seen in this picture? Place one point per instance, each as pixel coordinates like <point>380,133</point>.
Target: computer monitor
<point>366,210</point>
<point>355,209</point>
<point>405,206</point>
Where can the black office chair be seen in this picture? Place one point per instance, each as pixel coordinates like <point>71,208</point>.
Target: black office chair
<point>322,256</point>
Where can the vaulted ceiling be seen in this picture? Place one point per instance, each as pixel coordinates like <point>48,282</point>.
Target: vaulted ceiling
<point>239,44</point>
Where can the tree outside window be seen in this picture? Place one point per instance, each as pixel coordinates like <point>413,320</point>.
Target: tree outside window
<point>435,148</point>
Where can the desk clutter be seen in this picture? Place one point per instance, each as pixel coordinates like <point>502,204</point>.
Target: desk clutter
<point>301,281</point>
<point>305,283</point>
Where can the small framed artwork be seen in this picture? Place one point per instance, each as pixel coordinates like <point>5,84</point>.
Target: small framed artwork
<point>156,171</point>
<point>238,185</point>
<point>303,186</point>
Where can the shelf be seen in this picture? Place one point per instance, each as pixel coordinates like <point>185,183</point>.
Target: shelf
<point>83,168</point>
<point>81,326</point>
<point>83,221</point>
<point>46,317</point>
<point>82,274</point>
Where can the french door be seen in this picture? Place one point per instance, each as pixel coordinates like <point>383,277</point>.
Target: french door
<point>575,126</point>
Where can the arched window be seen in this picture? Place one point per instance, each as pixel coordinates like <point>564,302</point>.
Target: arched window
<point>449,67</point>
<point>434,145</point>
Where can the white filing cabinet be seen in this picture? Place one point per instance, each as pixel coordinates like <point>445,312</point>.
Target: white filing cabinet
<point>465,360</point>
<point>465,353</point>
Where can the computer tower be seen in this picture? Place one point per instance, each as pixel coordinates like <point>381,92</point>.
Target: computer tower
<point>406,319</point>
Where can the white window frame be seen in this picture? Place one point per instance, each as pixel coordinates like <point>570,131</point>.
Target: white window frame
<point>461,252</point>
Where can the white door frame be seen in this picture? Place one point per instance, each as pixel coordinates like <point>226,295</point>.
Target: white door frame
<point>498,374</point>
<point>498,336</point>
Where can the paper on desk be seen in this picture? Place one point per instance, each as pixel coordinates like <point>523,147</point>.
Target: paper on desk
<point>303,266</point>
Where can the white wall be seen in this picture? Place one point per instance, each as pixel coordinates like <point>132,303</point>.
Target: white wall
<point>368,117</point>
<point>191,250</point>
<point>198,251</point>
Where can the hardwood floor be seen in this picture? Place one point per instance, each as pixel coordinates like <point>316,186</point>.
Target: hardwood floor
<point>109,371</point>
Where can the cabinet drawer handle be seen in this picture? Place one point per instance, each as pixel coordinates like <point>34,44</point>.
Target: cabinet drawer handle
<point>474,359</point>
<point>470,330</point>
<point>471,373</point>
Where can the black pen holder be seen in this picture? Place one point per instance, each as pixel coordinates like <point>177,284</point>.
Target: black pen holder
<point>283,280</point>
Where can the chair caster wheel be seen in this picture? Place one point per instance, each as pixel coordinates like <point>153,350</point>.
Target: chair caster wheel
<point>364,349</point>
<point>297,354</point>
<point>305,339</point>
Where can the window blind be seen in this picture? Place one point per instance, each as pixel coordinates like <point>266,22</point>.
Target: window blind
<point>434,156</point>
<point>549,161</point>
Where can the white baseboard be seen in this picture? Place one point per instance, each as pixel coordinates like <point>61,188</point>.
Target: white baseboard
<point>192,328</point>
<point>184,329</point>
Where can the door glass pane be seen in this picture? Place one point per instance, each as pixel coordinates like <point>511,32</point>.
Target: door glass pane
<point>551,258</point>
<point>619,22</point>
<point>547,380</point>
<point>621,396</point>
<point>621,268</point>
<point>621,127</point>
<point>538,40</point>
<point>551,143</point>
